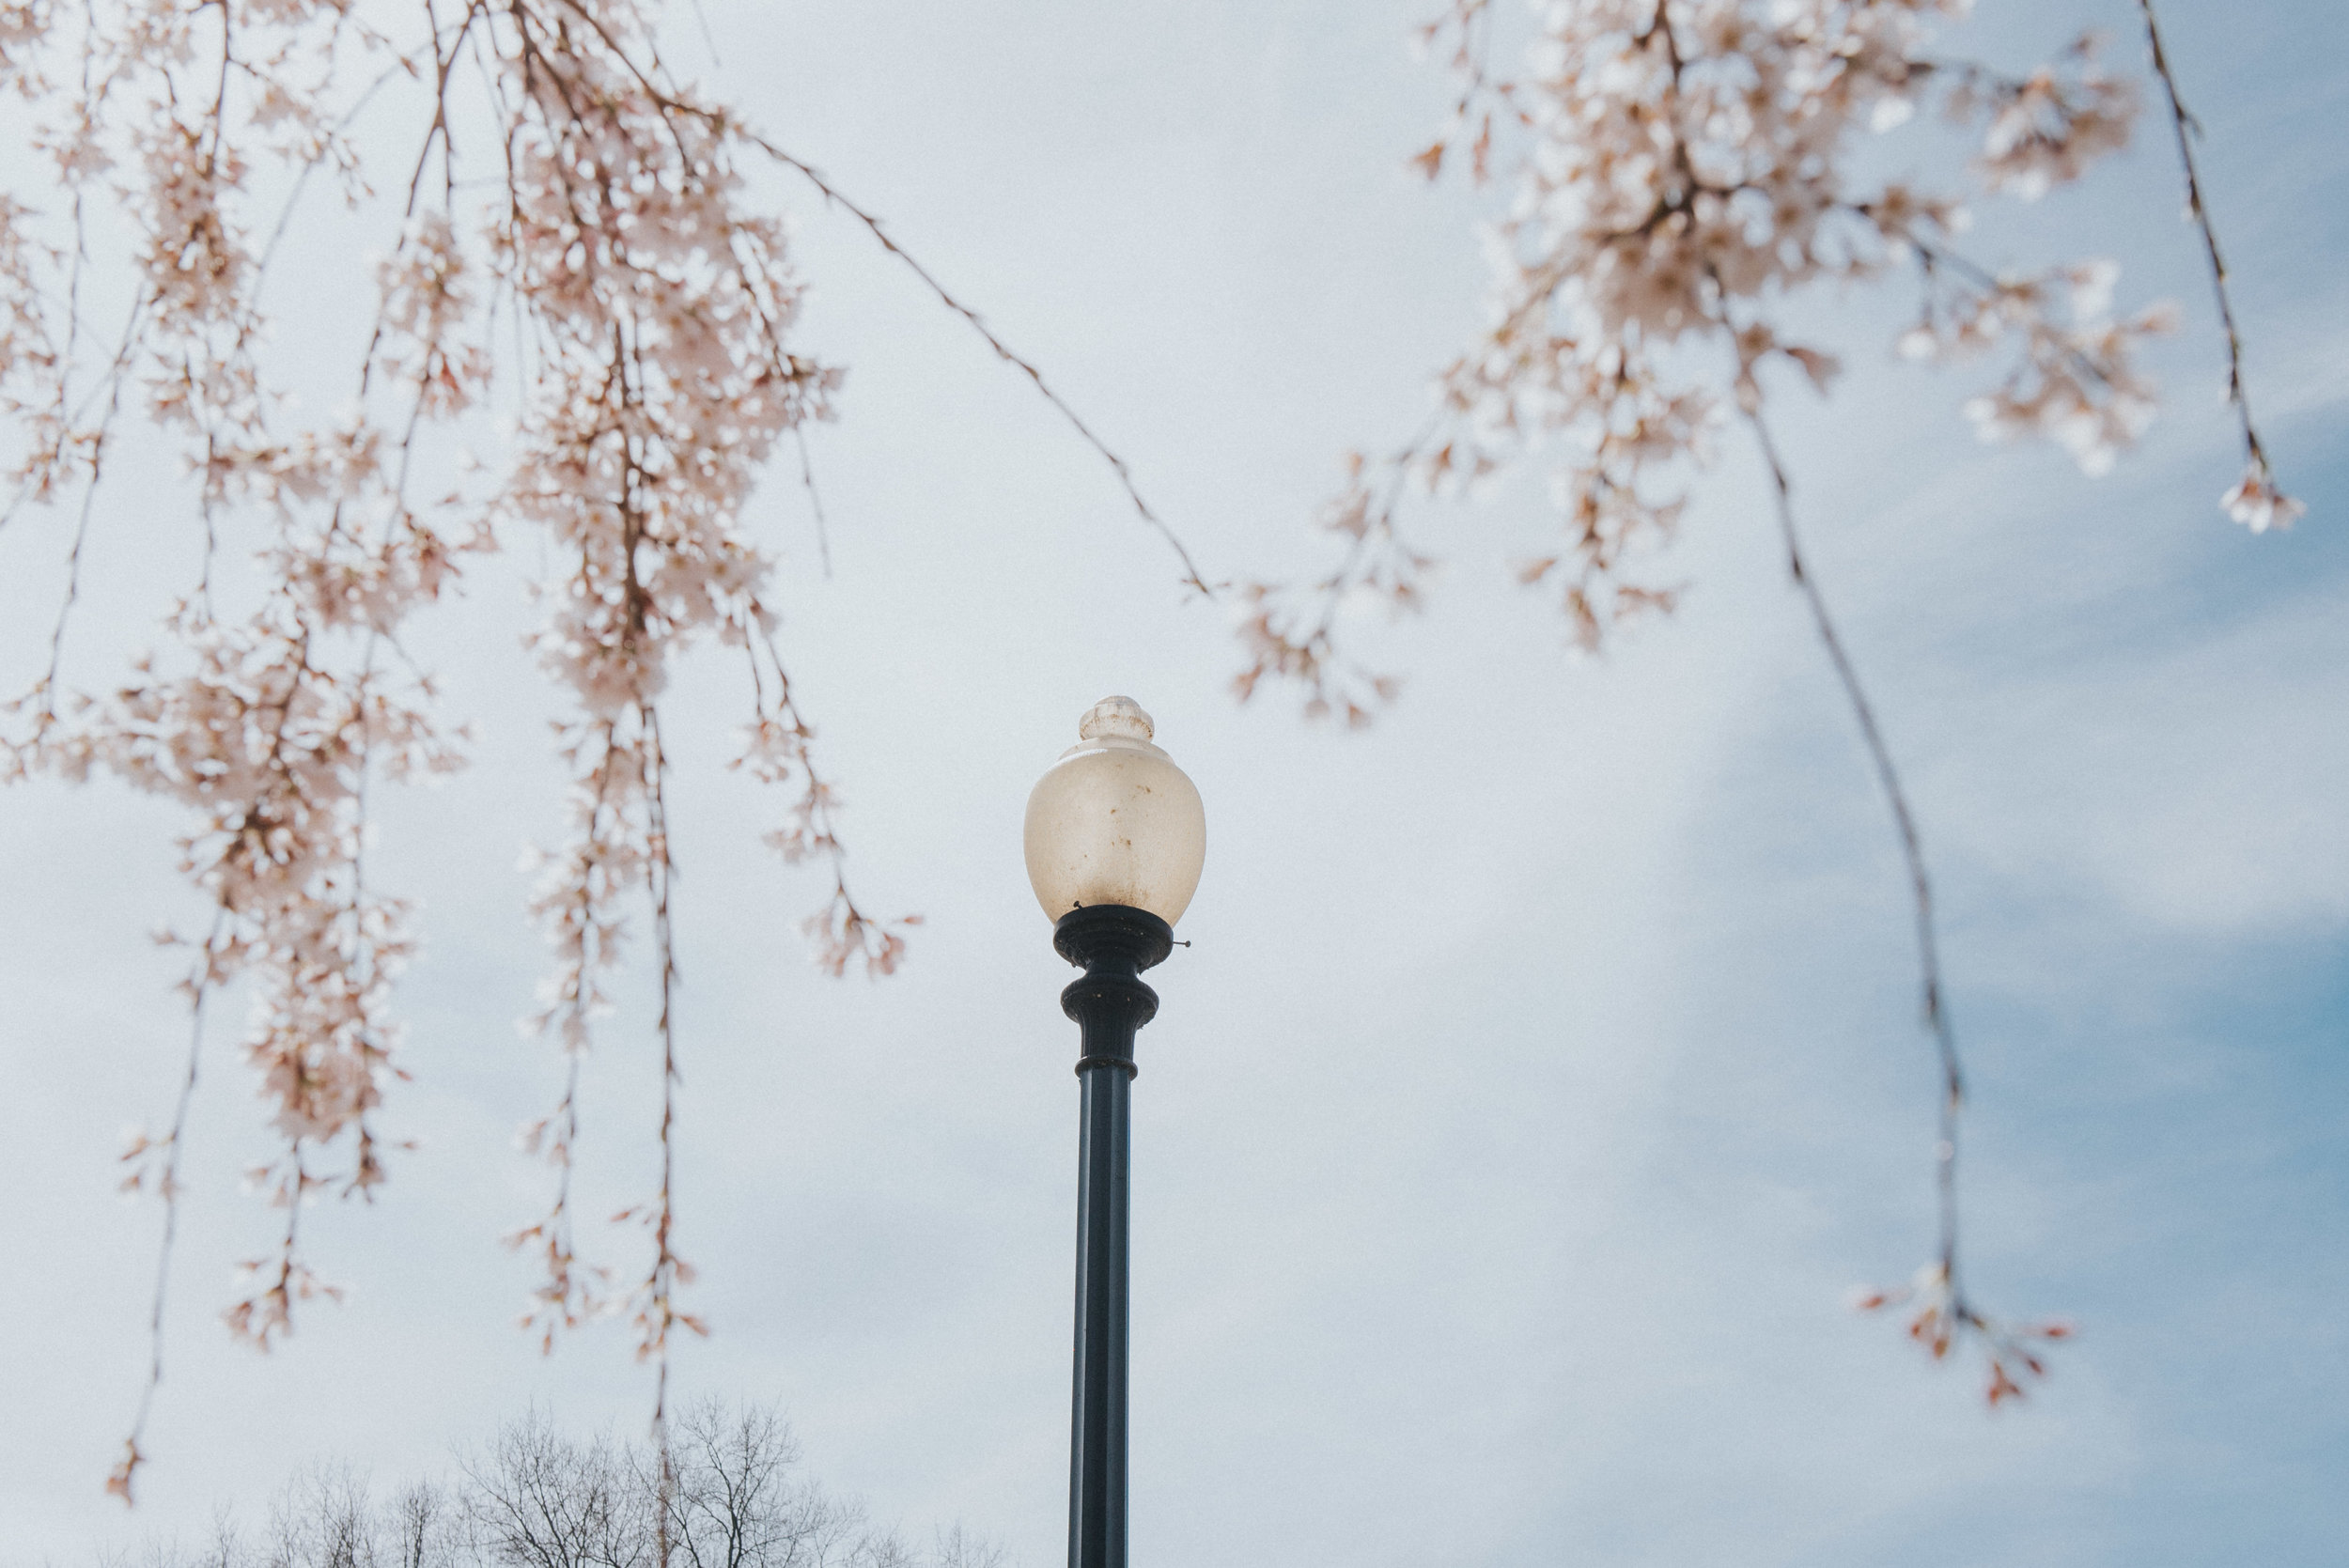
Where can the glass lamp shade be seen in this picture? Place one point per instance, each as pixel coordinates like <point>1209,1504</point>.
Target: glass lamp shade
<point>1115,821</point>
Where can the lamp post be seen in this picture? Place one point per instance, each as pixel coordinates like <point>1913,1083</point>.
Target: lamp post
<point>1115,838</point>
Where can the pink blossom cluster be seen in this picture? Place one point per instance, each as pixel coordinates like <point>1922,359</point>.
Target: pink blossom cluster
<point>1686,170</point>
<point>1684,173</point>
<point>269,724</point>
<point>1939,1314</point>
<point>653,310</point>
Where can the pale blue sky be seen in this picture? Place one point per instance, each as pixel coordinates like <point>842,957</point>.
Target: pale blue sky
<point>1545,1073</point>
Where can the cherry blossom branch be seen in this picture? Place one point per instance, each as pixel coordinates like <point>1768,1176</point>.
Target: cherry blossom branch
<point>165,1180</point>
<point>1472,22</point>
<point>302,176</point>
<point>1935,1015</point>
<point>567,1296</point>
<point>1691,169</point>
<point>651,313</point>
<point>36,474</point>
<point>815,501</point>
<point>1296,642</point>
<point>1002,350</point>
<point>267,1315</point>
<point>656,1312</point>
<point>775,751</point>
<point>1946,1314</point>
<point>73,556</point>
<point>874,226</point>
<point>2254,502</point>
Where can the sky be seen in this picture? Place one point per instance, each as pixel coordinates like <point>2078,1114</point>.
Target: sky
<point>1544,1076</point>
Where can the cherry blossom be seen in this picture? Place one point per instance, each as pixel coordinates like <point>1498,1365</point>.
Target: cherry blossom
<point>1679,173</point>
<point>2257,503</point>
<point>656,304</point>
<point>1684,169</point>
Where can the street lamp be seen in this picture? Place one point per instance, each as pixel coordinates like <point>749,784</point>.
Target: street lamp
<point>1115,837</point>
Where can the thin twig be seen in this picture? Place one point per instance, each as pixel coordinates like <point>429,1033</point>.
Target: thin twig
<point>81,537</point>
<point>365,968</point>
<point>200,985</point>
<point>659,870</point>
<point>671,104</point>
<point>30,487</point>
<point>873,226</point>
<point>814,502</point>
<point>302,177</point>
<point>2183,123</point>
<point>1936,1014</point>
<point>710,39</point>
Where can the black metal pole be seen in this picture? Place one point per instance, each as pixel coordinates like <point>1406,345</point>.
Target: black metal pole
<point>1114,944</point>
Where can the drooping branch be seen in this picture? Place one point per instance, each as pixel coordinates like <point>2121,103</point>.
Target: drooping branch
<point>1684,171</point>
<point>1002,350</point>
<point>673,103</point>
<point>1934,1004</point>
<point>654,367</point>
<point>2254,502</point>
<point>157,1167</point>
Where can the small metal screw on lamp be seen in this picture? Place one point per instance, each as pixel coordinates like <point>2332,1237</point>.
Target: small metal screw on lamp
<point>1115,839</point>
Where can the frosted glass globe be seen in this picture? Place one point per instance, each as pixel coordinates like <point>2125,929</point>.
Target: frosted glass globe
<point>1115,821</point>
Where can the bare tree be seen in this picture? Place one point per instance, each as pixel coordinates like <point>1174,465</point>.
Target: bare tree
<point>728,1497</point>
<point>539,1499</point>
<point>324,1518</point>
<point>535,1498</point>
<point>734,1503</point>
<point>958,1548</point>
<point>422,1525</point>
